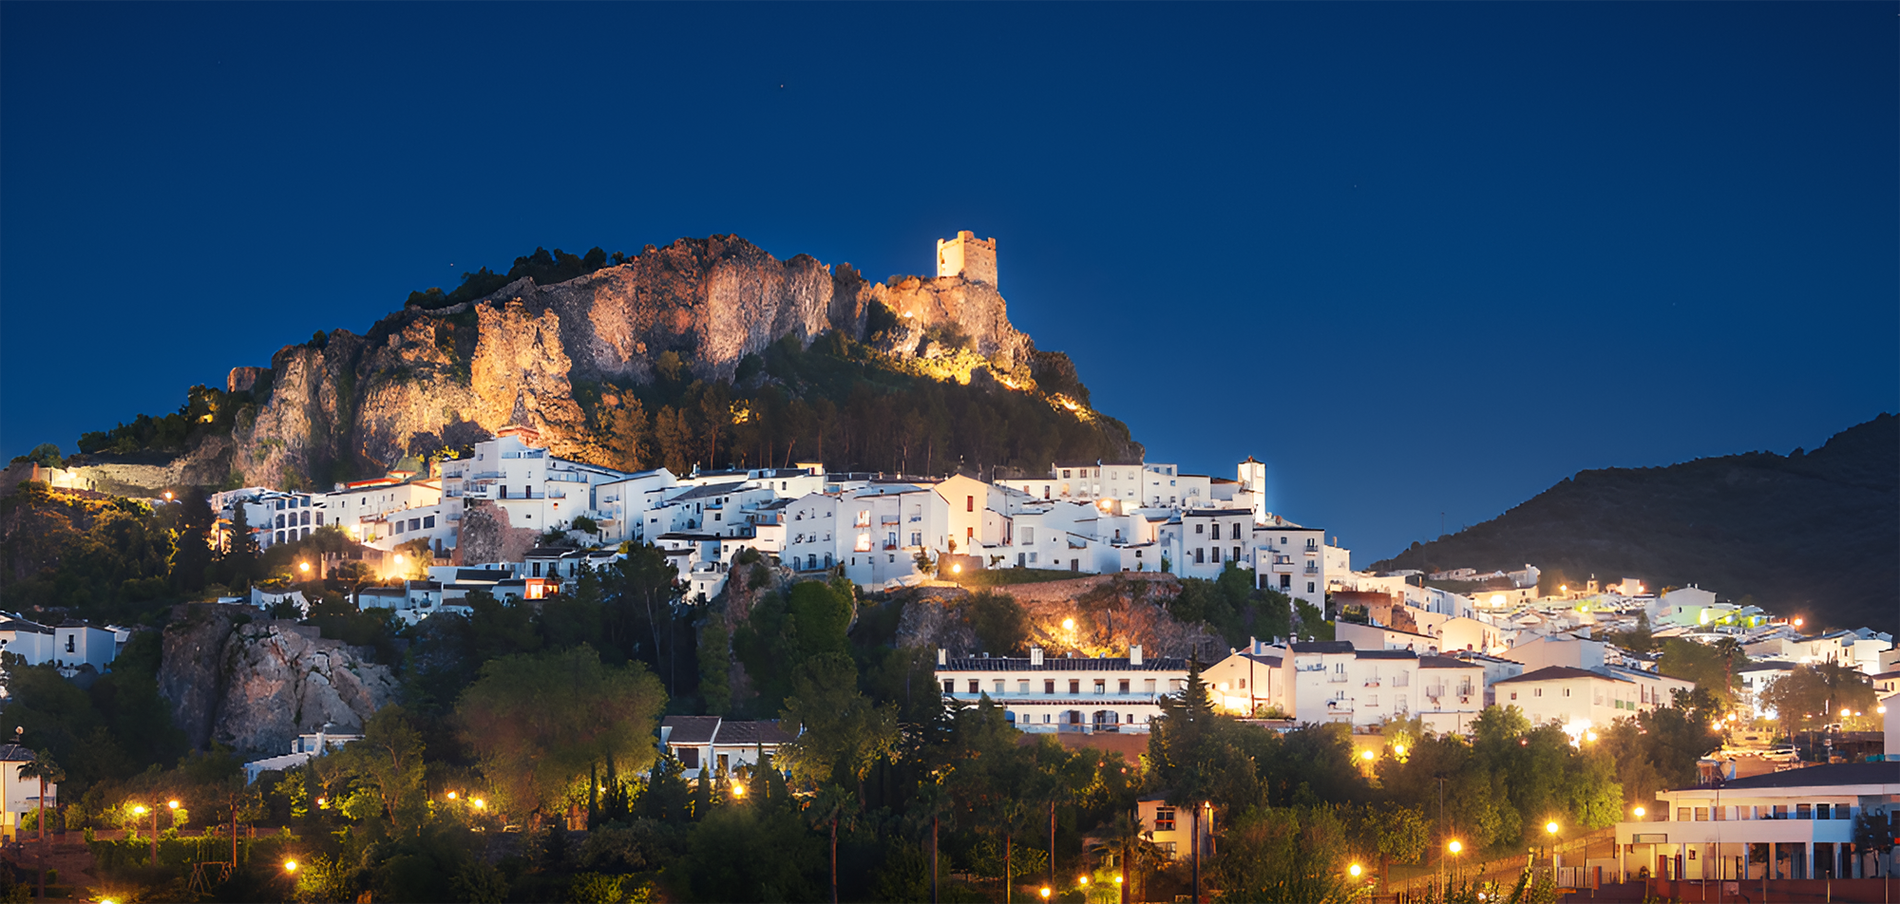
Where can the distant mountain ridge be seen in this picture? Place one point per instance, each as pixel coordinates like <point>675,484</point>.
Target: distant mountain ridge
<point>1814,533</point>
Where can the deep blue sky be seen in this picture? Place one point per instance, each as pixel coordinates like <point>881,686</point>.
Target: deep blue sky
<point>1420,258</point>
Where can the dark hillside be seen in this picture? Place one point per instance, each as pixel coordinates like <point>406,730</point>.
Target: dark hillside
<point>1817,533</point>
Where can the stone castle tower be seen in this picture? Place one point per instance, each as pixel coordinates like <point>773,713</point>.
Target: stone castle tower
<point>967,256</point>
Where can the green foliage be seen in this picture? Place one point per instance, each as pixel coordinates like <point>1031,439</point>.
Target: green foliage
<point>207,412</point>
<point>537,723</point>
<point>1000,623</point>
<point>46,455</point>
<point>1814,695</point>
<point>1272,854</point>
<point>1231,606</point>
<point>807,621</point>
<point>1711,667</point>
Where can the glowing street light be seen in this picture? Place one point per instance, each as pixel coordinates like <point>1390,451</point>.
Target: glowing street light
<point>451,795</point>
<point>303,567</point>
<point>290,866</point>
<point>738,790</point>
<point>1455,846</point>
<point>956,568</point>
<point>1551,827</point>
<point>1355,870</point>
<point>1640,812</point>
<point>1398,749</point>
<point>479,803</point>
<point>1045,893</point>
<point>1068,624</point>
<point>1367,755</point>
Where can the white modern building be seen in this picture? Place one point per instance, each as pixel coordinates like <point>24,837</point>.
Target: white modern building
<point>1797,824</point>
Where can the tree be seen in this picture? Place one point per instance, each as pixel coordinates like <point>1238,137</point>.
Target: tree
<point>387,766</point>
<point>538,722</point>
<point>1810,696</point>
<point>42,767</point>
<point>830,806</point>
<point>844,734</point>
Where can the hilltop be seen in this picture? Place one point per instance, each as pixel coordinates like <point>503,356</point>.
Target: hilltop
<point>1808,532</point>
<point>707,352</point>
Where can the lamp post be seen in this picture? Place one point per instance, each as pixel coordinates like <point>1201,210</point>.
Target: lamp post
<point>1550,847</point>
<point>1453,848</point>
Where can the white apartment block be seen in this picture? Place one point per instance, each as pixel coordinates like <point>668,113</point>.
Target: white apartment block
<point>536,489</point>
<point>1291,559</point>
<point>1047,694</point>
<point>1580,699</point>
<point>274,516</point>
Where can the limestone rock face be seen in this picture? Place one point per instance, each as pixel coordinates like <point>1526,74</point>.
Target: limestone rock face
<point>256,685</point>
<point>1112,612</point>
<point>425,379</point>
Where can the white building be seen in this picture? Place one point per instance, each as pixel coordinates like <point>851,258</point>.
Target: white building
<point>29,640</point>
<point>22,795</point>
<point>535,488</point>
<point>1800,823</point>
<point>711,743</point>
<point>1041,693</point>
<point>302,750</point>
<point>1581,700</point>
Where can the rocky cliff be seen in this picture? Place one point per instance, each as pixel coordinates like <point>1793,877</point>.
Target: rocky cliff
<point>255,685</point>
<point>433,378</point>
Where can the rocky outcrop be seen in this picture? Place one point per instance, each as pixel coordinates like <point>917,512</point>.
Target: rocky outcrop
<point>254,685</point>
<point>1111,612</point>
<point>486,537</point>
<point>346,403</point>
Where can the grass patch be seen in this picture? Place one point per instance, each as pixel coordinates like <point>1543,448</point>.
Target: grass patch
<point>1003,577</point>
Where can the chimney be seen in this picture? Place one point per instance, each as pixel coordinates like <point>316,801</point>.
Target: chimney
<point>1035,657</point>
<point>1134,655</point>
<point>943,656</point>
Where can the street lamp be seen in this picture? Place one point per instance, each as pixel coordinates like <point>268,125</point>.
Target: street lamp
<point>1550,848</point>
<point>1354,870</point>
<point>1068,624</point>
<point>1640,812</point>
<point>738,789</point>
<point>1045,893</point>
<point>290,866</point>
<point>303,567</point>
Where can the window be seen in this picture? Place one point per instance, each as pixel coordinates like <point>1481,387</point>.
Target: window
<point>1101,685</point>
<point>427,521</point>
<point>69,643</point>
<point>864,518</point>
<point>1566,692</point>
<point>1148,685</point>
<point>1075,685</point>
<point>1200,556</point>
<point>1233,533</point>
<point>1702,814</point>
<point>689,757</point>
<point>998,685</point>
<point>973,686</point>
<point>949,687</point>
<point>1164,820</point>
<point>969,503</point>
<point>1124,685</point>
<point>1803,811</point>
<point>1309,585</point>
<point>1065,473</point>
<point>1049,686</point>
<point>1236,555</point>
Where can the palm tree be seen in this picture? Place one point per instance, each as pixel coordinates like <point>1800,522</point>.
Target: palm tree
<point>1136,844</point>
<point>42,767</point>
<point>832,805</point>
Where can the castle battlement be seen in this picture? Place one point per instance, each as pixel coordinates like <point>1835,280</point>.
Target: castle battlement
<point>967,256</point>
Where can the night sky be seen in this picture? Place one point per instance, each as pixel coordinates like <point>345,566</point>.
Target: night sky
<point>1419,258</point>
